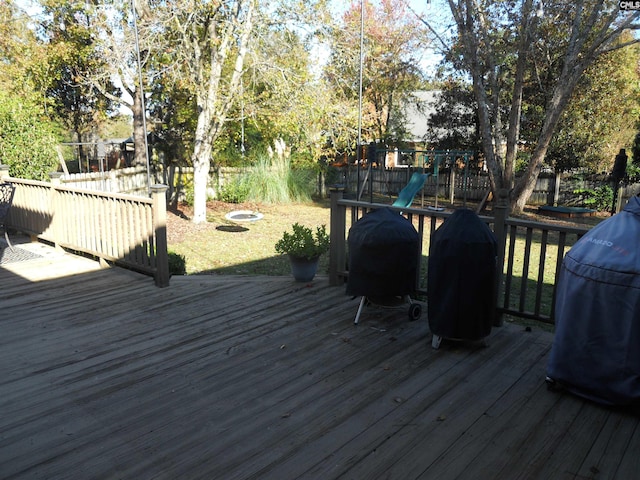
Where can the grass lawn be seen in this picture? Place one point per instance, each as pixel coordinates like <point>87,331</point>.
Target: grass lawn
<point>225,247</point>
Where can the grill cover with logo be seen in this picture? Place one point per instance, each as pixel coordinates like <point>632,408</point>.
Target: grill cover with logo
<point>461,279</point>
<point>384,252</point>
<point>596,348</point>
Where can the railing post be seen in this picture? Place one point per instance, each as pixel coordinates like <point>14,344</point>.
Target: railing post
<point>337,247</point>
<point>56,225</point>
<point>619,200</point>
<point>55,177</point>
<point>4,172</point>
<point>500,230</point>
<point>158,195</point>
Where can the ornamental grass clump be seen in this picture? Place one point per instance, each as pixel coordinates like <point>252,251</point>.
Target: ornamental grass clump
<point>302,243</point>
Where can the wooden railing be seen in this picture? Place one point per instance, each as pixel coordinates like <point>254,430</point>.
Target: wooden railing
<point>529,254</point>
<point>125,229</point>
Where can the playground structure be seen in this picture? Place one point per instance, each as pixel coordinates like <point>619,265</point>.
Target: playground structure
<point>101,156</point>
<point>427,162</point>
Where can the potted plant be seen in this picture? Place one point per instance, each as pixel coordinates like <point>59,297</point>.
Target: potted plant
<point>304,250</point>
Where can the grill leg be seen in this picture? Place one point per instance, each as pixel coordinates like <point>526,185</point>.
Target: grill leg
<point>6,236</point>
<point>355,322</point>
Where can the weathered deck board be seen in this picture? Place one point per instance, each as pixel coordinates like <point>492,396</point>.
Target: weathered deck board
<point>103,375</point>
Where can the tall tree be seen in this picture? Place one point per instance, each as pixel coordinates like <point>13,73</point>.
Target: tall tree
<point>112,48</point>
<point>393,44</point>
<point>592,128</point>
<point>501,46</point>
<point>24,62</point>
<point>209,41</point>
<point>453,125</point>
<point>276,86</point>
<point>601,115</point>
<point>72,58</point>
<point>210,47</point>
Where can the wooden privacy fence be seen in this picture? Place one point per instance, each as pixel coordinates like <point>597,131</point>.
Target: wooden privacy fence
<point>126,229</point>
<point>529,254</point>
<point>450,185</point>
<point>130,180</point>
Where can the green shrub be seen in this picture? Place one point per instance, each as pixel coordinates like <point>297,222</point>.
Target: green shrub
<point>600,198</point>
<point>633,172</point>
<point>235,191</point>
<point>302,243</point>
<point>28,139</point>
<point>177,264</point>
<point>188,196</point>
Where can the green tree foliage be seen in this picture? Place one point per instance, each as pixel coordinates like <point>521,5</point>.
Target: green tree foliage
<point>237,65</point>
<point>13,34</point>
<point>592,129</point>
<point>73,57</point>
<point>454,123</point>
<point>174,111</point>
<point>393,43</point>
<point>288,100</point>
<point>21,54</point>
<point>27,135</point>
<point>600,116</point>
<point>278,99</point>
<point>91,48</point>
<point>27,138</point>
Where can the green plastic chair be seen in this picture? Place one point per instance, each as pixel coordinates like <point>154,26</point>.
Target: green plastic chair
<point>406,195</point>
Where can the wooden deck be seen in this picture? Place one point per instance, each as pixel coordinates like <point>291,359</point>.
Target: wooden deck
<point>104,375</point>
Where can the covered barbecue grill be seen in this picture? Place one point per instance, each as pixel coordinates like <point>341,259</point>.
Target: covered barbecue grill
<point>596,349</point>
<point>384,254</point>
<point>461,279</point>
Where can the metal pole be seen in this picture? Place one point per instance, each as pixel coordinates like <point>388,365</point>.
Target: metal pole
<point>242,117</point>
<point>359,145</point>
<point>144,110</point>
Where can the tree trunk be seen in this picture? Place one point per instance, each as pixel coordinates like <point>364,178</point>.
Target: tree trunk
<point>140,154</point>
<point>213,101</point>
<point>201,166</point>
<point>201,160</point>
<point>525,186</point>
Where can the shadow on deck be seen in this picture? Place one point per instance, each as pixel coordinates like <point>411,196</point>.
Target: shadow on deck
<point>104,375</point>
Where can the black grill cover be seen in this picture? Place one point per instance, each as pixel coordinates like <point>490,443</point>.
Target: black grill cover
<point>596,348</point>
<point>384,252</point>
<point>461,279</point>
